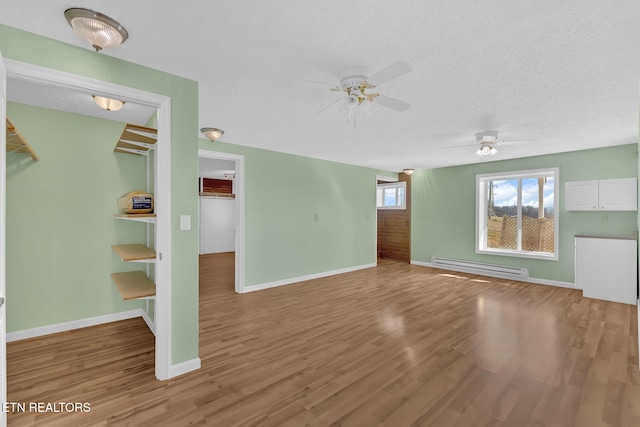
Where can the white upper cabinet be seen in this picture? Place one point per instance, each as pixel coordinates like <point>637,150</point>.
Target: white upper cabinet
<point>618,194</point>
<point>581,196</point>
<point>602,195</point>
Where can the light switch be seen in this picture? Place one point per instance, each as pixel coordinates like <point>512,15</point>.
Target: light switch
<point>185,222</point>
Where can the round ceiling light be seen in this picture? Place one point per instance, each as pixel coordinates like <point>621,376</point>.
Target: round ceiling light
<point>100,30</point>
<point>212,133</point>
<point>108,104</point>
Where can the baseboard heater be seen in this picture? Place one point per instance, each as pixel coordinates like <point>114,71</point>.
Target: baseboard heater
<point>502,271</point>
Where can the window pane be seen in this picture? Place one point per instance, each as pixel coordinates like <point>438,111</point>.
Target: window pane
<point>502,220</point>
<point>537,214</point>
<point>389,196</point>
<point>400,196</point>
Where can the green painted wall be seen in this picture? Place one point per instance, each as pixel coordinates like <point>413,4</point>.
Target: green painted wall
<point>283,194</point>
<point>443,208</point>
<point>30,48</point>
<point>59,218</point>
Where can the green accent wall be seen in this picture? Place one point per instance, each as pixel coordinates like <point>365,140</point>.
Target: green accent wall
<point>283,194</point>
<point>59,218</point>
<point>30,48</point>
<point>443,208</point>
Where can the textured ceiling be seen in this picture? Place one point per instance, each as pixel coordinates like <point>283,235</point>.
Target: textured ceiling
<point>73,101</point>
<point>563,74</point>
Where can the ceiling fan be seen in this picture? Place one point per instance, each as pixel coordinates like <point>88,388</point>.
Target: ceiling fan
<point>356,84</point>
<point>486,142</point>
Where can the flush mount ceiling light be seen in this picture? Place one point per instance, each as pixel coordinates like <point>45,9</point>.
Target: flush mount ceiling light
<point>98,29</point>
<point>212,133</point>
<point>408,171</point>
<point>108,103</point>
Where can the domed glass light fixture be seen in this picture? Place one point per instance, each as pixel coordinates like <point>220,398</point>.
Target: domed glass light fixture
<point>212,133</point>
<point>108,103</point>
<point>98,29</point>
<point>408,171</point>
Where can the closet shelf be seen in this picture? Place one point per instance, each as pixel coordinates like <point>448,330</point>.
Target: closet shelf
<point>16,142</point>
<point>137,140</point>
<point>135,253</point>
<point>150,218</point>
<point>222,195</point>
<point>133,285</point>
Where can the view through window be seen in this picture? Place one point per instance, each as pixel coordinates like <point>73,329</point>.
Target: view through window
<point>517,214</point>
<point>391,195</point>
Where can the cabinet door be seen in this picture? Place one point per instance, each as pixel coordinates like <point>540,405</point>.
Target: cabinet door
<point>581,196</point>
<point>618,194</point>
<point>606,269</point>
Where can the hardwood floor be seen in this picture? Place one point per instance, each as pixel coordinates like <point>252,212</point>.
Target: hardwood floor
<point>396,345</point>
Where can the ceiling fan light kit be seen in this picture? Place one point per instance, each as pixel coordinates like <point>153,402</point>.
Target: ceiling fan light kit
<point>355,82</point>
<point>487,140</point>
<point>486,150</point>
<point>98,29</point>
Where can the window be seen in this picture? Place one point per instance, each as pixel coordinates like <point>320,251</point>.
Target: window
<point>516,214</point>
<point>391,195</point>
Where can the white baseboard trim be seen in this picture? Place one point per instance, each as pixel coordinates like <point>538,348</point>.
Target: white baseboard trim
<point>292,280</point>
<point>184,367</point>
<point>529,280</point>
<point>75,324</point>
<point>552,283</point>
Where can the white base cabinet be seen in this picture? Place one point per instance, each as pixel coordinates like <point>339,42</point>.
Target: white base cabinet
<point>606,267</point>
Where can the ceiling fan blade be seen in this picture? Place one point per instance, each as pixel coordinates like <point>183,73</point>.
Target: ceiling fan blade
<point>460,146</point>
<point>394,104</point>
<point>338,101</point>
<point>391,72</point>
<point>332,86</point>
<point>509,141</point>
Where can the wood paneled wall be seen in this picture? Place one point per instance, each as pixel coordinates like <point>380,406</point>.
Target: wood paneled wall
<point>394,229</point>
<point>211,185</point>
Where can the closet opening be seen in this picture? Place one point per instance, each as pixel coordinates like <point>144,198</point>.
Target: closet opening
<point>27,78</point>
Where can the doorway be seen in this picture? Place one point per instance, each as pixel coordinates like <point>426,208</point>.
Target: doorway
<point>224,163</point>
<point>393,237</point>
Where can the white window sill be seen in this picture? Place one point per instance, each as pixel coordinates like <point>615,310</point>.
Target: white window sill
<point>519,254</point>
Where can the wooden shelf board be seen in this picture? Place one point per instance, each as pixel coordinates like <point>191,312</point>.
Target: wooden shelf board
<point>133,134</point>
<point>137,217</point>
<point>134,252</point>
<point>16,142</point>
<point>133,284</point>
<point>224,195</point>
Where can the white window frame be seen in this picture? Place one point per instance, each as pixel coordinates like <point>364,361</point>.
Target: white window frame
<point>396,185</point>
<point>481,212</point>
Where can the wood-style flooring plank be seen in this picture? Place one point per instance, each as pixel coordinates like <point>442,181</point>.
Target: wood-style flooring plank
<point>391,346</point>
